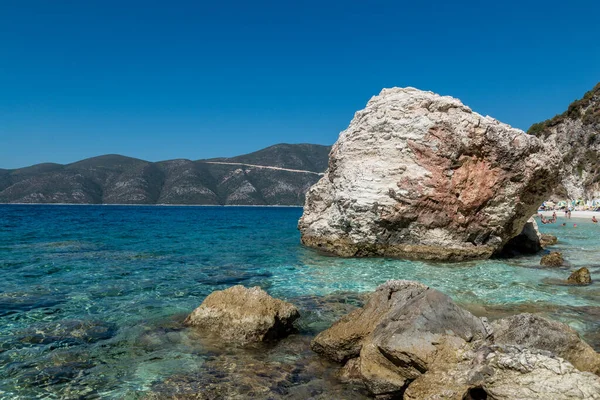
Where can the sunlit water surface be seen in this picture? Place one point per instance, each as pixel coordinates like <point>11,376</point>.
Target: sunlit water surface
<point>92,298</point>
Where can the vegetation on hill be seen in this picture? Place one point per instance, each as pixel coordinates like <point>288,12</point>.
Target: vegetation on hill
<point>576,132</point>
<point>586,108</point>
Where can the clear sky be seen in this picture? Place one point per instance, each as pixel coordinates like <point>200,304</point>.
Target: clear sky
<point>196,79</point>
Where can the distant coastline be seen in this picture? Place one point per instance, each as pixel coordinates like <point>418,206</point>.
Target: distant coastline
<point>279,174</point>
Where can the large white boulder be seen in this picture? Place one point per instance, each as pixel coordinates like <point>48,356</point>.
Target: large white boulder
<point>418,175</point>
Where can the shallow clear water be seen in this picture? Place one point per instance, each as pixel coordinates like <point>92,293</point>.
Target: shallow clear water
<point>92,297</point>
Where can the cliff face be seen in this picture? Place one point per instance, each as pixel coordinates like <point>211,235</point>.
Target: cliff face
<point>576,134</point>
<point>418,175</point>
<point>278,175</point>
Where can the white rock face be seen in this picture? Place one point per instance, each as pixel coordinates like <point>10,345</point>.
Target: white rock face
<point>504,373</point>
<point>577,142</point>
<point>418,175</point>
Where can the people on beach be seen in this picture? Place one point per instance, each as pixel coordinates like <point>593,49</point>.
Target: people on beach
<point>594,220</point>
<point>569,214</point>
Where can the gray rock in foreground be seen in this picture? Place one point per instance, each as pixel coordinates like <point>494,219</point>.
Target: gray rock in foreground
<point>533,331</point>
<point>413,341</point>
<point>421,176</point>
<point>242,315</point>
<point>504,373</point>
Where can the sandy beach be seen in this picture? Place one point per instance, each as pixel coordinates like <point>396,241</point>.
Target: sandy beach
<point>574,214</point>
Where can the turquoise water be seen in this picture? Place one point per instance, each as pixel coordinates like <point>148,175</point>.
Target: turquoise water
<point>92,297</point>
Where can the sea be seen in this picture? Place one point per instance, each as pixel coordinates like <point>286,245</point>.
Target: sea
<point>93,298</point>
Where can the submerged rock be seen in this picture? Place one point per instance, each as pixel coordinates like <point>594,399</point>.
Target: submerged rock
<point>283,370</point>
<point>318,311</point>
<point>69,332</point>
<point>554,259</point>
<point>421,176</point>
<point>580,277</point>
<point>244,315</point>
<point>68,372</point>
<point>16,302</point>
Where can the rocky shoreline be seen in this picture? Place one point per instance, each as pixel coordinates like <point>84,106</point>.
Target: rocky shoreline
<point>422,177</point>
<point>410,341</point>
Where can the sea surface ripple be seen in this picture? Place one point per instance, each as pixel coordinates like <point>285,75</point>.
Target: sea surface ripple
<point>92,297</point>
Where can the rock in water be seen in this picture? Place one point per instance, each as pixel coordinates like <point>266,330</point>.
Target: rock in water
<point>580,277</point>
<point>412,342</point>
<point>554,259</point>
<point>417,175</point>
<point>68,332</point>
<point>344,339</point>
<point>244,315</point>
<point>397,335</point>
<point>505,373</point>
<point>548,240</point>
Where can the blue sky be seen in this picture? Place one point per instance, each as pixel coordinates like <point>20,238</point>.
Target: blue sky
<point>177,79</point>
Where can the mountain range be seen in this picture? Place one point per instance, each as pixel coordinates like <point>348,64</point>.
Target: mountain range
<point>277,175</point>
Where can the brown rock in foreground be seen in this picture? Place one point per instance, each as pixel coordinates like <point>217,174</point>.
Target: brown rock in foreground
<point>580,277</point>
<point>554,259</point>
<point>421,176</point>
<point>548,240</point>
<point>244,315</point>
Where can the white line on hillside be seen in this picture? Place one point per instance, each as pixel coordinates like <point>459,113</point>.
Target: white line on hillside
<point>264,166</point>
